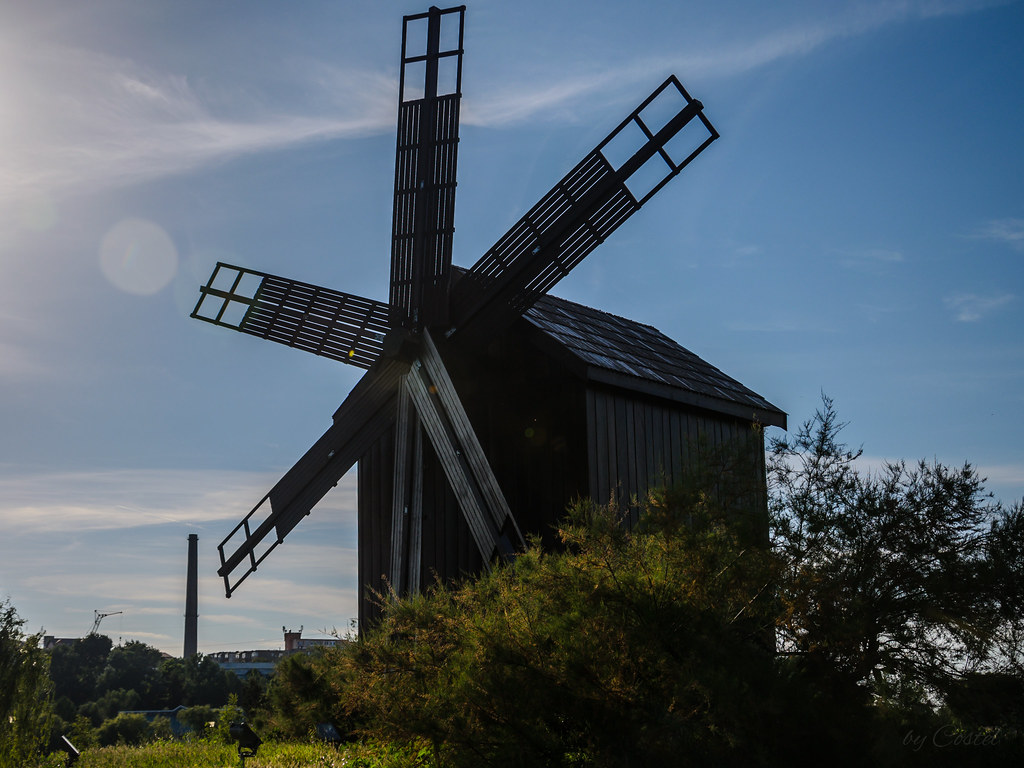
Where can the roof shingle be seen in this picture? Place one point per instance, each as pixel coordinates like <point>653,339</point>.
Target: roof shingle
<point>606,342</point>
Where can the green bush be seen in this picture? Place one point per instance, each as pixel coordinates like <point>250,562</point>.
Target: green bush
<point>630,648</point>
<point>82,733</point>
<point>128,729</point>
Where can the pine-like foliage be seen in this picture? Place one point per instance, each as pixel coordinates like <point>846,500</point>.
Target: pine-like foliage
<point>892,579</point>
<point>25,692</point>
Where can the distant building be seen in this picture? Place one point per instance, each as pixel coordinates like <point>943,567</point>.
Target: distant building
<point>244,662</point>
<point>50,642</point>
<point>264,661</point>
<point>294,641</point>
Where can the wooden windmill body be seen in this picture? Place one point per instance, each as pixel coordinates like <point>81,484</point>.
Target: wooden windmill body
<point>487,404</point>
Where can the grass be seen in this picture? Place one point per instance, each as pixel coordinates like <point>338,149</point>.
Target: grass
<point>204,754</point>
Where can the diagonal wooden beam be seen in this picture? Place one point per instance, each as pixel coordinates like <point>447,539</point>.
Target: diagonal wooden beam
<point>454,464</point>
<point>493,497</point>
<point>450,432</point>
<point>407,499</point>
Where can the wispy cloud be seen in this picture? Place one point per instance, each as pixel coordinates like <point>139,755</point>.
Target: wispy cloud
<point>1006,231</point>
<point>557,100</point>
<point>17,363</point>
<point>970,307</point>
<point>120,499</point>
<point>20,358</point>
<point>877,255</point>
<point>134,498</point>
<point>568,97</point>
<point>808,34</point>
<point>880,312</point>
<point>82,121</point>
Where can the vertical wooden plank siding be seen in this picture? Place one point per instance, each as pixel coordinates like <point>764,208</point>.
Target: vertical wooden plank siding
<point>641,443</point>
<point>374,524</point>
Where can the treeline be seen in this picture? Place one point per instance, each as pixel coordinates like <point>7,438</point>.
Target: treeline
<point>94,681</point>
<point>92,691</point>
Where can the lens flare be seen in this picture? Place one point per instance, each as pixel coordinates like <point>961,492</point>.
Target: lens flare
<point>138,256</point>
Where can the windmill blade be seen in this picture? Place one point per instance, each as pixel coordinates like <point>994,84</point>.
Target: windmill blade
<point>329,323</point>
<point>447,425</point>
<point>651,146</point>
<point>430,91</point>
<point>364,415</point>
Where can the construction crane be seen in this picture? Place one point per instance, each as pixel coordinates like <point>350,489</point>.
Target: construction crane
<point>100,617</point>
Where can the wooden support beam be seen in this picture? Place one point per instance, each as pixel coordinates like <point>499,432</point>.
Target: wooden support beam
<point>493,499</point>
<point>453,461</point>
<point>415,549</point>
<point>401,487</point>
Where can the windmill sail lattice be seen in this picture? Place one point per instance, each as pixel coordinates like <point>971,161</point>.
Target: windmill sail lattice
<point>408,399</point>
<point>425,170</point>
<point>333,324</point>
<point>593,200</point>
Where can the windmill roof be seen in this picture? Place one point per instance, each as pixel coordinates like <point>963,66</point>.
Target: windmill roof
<point>622,352</point>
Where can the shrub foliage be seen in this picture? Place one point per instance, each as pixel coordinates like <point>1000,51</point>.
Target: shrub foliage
<point>872,612</point>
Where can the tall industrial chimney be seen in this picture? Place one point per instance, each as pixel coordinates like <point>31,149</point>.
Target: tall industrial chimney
<point>192,598</point>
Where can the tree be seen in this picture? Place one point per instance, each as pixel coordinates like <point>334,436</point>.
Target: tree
<point>76,666</point>
<point>230,713</point>
<point>1006,552</point>
<point>196,680</point>
<point>25,691</point>
<point>253,693</point>
<point>197,718</point>
<point>114,701</point>
<point>134,666</point>
<point>304,691</point>
<point>889,581</point>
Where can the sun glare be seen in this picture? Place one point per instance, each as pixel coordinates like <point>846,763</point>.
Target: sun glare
<point>138,256</point>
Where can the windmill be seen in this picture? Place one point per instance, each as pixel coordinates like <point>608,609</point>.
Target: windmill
<point>430,498</point>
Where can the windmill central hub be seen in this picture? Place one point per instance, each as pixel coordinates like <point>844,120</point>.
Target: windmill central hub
<point>402,344</point>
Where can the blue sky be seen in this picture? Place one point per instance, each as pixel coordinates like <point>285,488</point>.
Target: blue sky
<point>858,230</point>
